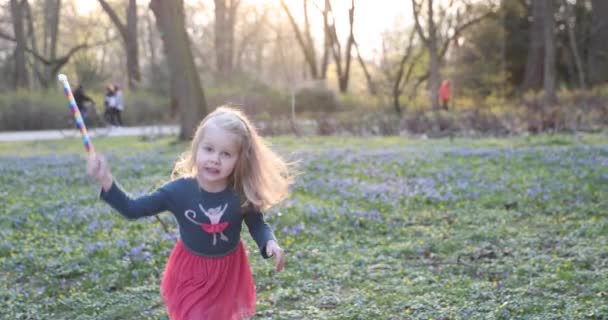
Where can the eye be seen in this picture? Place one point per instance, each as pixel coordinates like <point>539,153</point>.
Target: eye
<point>207,148</point>
<point>225,154</point>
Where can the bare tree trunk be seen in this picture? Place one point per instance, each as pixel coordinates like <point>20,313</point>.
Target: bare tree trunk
<point>151,41</point>
<point>306,44</point>
<point>104,53</point>
<point>31,34</point>
<point>430,42</point>
<point>251,39</point>
<point>342,71</point>
<point>436,49</point>
<point>185,82</point>
<point>220,30</point>
<point>371,86</point>
<point>571,22</point>
<point>225,19</point>
<point>259,57</point>
<point>288,72</point>
<point>20,77</point>
<point>48,22</point>
<point>434,77</point>
<point>231,26</point>
<point>326,40</point>
<point>129,36</point>
<point>598,43</point>
<point>533,77</point>
<point>549,63</point>
<point>397,90</point>
<point>132,46</point>
<point>52,9</point>
<point>345,76</point>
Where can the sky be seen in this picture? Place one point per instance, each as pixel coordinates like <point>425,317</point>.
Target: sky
<point>372,17</point>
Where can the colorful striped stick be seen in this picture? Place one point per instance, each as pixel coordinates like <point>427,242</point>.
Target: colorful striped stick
<point>76,113</point>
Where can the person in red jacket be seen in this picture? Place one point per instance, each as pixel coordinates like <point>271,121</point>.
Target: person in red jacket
<point>445,93</point>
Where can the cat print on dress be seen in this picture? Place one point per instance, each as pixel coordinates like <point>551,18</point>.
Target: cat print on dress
<point>214,215</point>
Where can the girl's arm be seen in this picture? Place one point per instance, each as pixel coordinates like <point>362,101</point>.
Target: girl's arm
<point>133,208</point>
<point>113,194</point>
<point>262,234</point>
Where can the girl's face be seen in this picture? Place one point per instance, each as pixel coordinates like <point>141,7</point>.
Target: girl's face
<point>216,157</point>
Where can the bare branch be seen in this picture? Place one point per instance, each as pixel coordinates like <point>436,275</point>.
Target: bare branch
<point>464,26</point>
<point>307,48</point>
<point>416,11</point>
<point>122,28</point>
<point>404,59</point>
<point>65,57</point>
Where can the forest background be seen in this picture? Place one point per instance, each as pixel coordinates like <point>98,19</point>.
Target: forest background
<point>314,66</point>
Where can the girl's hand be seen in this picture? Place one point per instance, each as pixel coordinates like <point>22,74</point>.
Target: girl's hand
<point>98,168</point>
<point>273,249</point>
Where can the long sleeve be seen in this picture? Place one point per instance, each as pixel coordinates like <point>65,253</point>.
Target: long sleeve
<point>260,231</point>
<point>147,205</point>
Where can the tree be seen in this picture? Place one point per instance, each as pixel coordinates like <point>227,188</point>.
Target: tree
<point>371,85</point>
<point>56,64</point>
<point>52,9</point>
<point>225,20</point>
<point>478,63</point>
<point>20,79</point>
<point>392,61</point>
<point>250,47</point>
<point>541,62</point>
<point>342,70</point>
<point>571,22</point>
<point>46,60</point>
<point>516,26</point>
<point>533,78</point>
<point>128,33</point>
<point>430,40</point>
<point>598,43</point>
<point>186,90</point>
<point>549,61</point>
<point>305,41</point>
<point>442,29</point>
<point>31,35</point>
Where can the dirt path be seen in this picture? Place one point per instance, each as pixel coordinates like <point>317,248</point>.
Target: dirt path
<point>115,132</point>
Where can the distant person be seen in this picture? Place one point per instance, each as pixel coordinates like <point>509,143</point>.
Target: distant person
<point>110,104</point>
<point>82,100</point>
<point>120,106</point>
<point>445,94</point>
<point>227,177</point>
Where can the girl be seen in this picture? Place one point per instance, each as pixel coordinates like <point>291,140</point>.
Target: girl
<point>228,176</point>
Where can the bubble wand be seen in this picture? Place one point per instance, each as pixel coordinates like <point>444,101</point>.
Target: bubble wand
<point>76,113</point>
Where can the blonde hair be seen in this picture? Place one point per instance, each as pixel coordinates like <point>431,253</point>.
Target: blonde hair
<point>260,175</point>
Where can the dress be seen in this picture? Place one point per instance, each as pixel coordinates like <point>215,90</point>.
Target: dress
<point>207,275</point>
<point>204,288</point>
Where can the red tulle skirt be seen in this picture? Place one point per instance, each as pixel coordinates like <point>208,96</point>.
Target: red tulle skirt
<point>205,288</point>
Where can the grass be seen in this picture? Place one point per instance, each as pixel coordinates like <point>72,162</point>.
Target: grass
<point>376,228</point>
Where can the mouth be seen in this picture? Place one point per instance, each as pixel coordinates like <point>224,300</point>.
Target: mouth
<point>212,170</point>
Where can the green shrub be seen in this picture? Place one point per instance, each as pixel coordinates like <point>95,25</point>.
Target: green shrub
<point>316,99</point>
<point>29,110</point>
<point>322,111</point>
<point>254,99</point>
<point>145,108</point>
<point>24,110</point>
